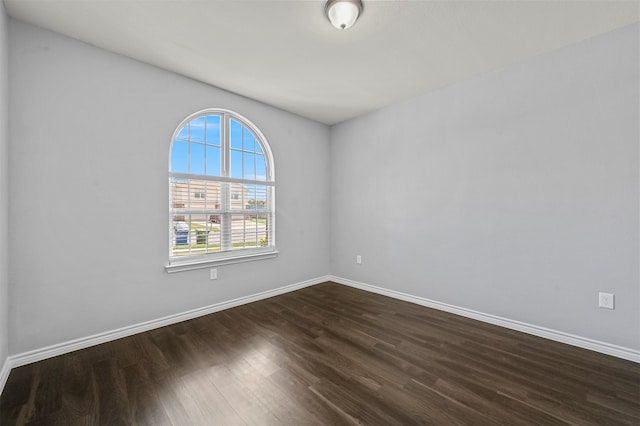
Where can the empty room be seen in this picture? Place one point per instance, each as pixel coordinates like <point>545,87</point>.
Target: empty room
<point>224,212</point>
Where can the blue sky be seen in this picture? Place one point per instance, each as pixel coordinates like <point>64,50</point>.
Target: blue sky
<point>196,150</point>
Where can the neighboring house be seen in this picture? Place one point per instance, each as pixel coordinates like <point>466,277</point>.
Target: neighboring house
<point>202,195</point>
<point>197,210</point>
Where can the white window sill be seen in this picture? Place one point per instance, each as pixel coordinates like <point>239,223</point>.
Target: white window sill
<point>202,263</point>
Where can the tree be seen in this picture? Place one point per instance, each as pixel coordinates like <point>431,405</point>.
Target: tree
<point>257,203</point>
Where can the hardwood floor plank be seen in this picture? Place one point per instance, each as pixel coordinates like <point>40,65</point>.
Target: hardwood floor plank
<point>145,407</point>
<point>359,404</point>
<point>77,386</point>
<point>111,393</point>
<point>319,408</point>
<point>25,395</point>
<point>203,399</point>
<point>326,354</point>
<point>245,403</point>
<point>280,402</point>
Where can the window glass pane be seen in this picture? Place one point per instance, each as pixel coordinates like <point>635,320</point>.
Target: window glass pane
<point>213,161</point>
<point>262,230</point>
<point>236,135</point>
<point>196,164</point>
<point>197,194</point>
<point>180,243</point>
<point>198,235</point>
<point>249,161</point>
<point>236,164</point>
<point>248,231</point>
<point>213,130</point>
<point>250,191</point>
<point>248,140</point>
<point>256,197</point>
<point>179,193</point>
<point>184,133</point>
<point>213,238</point>
<point>180,157</point>
<point>238,195</point>
<point>196,130</point>
<point>251,225</point>
<point>195,234</point>
<point>261,197</point>
<point>237,232</point>
<point>261,167</point>
<point>258,148</point>
<point>212,198</point>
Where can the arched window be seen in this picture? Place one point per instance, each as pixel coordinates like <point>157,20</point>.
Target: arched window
<point>221,192</point>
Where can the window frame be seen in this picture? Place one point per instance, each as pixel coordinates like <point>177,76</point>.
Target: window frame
<point>198,261</point>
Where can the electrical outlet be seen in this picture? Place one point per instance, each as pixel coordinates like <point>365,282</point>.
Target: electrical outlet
<point>359,259</point>
<point>605,300</point>
<point>213,273</point>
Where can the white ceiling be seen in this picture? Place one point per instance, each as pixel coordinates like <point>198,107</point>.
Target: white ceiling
<point>286,53</point>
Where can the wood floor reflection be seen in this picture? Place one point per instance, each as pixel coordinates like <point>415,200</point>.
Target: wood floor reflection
<point>326,355</point>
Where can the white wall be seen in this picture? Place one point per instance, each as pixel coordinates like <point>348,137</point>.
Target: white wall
<point>4,189</point>
<point>514,194</point>
<point>90,137</point>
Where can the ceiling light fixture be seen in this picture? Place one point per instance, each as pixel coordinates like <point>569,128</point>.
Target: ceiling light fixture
<point>343,13</point>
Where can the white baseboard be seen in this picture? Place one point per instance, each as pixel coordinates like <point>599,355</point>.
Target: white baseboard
<point>85,342</point>
<point>4,374</point>
<point>558,336</point>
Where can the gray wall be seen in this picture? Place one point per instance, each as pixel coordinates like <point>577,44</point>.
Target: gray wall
<point>4,188</point>
<point>513,194</point>
<point>89,235</point>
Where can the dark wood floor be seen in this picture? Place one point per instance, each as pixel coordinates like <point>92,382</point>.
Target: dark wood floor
<point>327,354</point>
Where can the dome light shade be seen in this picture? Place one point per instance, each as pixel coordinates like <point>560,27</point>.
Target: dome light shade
<point>343,13</point>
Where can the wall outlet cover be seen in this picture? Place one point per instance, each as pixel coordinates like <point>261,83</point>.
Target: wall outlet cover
<point>606,300</point>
